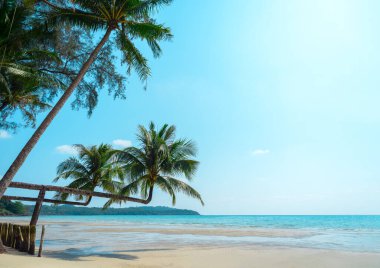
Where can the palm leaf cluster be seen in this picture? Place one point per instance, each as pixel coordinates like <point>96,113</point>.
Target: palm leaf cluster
<point>43,45</point>
<point>157,162</point>
<point>94,167</point>
<point>22,83</point>
<point>131,20</point>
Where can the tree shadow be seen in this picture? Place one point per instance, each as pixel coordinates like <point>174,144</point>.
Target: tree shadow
<point>145,250</point>
<point>77,254</point>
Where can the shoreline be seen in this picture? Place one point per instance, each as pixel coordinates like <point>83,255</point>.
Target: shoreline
<point>116,242</point>
<point>107,234</point>
<point>196,257</point>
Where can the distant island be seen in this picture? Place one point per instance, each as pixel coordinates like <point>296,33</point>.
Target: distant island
<point>72,210</point>
<point>8,208</point>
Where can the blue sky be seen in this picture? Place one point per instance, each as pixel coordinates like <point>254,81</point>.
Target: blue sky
<point>281,98</point>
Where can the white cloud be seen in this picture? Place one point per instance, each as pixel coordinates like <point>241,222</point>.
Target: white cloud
<point>4,134</point>
<point>122,143</point>
<point>66,149</point>
<point>260,152</point>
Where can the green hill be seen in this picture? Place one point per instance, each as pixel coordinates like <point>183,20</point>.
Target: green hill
<point>9,208</point>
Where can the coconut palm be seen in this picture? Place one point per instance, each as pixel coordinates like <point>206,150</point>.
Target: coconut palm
<point>22,83</point>
<point>94,167</point>
<point>156,162</point>
<point>27,100</point>
<point>24,89</point>
<point>128,19</point>
<point>23,80</point>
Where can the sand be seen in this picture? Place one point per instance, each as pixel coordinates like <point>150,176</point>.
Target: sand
<point>205,257</point>
<point>144,247</point>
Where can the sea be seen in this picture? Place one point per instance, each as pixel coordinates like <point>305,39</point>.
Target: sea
<point>81,235</point>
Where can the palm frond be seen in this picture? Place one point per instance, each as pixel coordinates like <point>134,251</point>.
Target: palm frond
<point>133,57</point>
<point>150,32</point>
<point>184,188</point>
<point>144,7</point>
<point>166,187</point>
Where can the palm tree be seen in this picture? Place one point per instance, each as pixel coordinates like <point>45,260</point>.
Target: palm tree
<point>26,100</point>
<point>159,158</point>
<point>22,84</point>
<point>128,19</point>
<point>94,167</point>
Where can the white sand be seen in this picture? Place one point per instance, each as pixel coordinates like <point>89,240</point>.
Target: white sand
<point>202,258</point>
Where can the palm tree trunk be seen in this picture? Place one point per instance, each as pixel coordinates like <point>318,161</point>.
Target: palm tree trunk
<point>11,172</point>
<point>150,196</point>
<point>88,201</point>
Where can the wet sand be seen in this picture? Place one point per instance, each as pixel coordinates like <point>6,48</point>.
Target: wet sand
<point>211,232</point>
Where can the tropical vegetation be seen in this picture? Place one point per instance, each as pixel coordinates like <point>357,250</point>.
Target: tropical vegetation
<point>9,208</point>
<point>94,167</point>
<point>121,23</point>
<point>47,49</point>
<point>24,81</point>
<point>74,210</point>
<point>157,162</point>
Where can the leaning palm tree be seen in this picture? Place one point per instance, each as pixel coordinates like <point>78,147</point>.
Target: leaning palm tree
<point>128,20</point>
<point>94,167</point>
<point>159,158</point>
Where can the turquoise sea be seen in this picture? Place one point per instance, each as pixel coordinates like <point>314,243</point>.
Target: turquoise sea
<point>95,234</point>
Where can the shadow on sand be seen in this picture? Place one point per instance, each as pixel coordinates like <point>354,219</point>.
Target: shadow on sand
<point>76,254</point>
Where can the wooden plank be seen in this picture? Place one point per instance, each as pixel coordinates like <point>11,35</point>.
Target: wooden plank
<point>46,200</point>
<point>41,241</point>
<point>30,186</point>
<point>37,207</point>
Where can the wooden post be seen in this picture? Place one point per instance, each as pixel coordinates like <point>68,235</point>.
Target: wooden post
<point>37,207</point>
<point>25,236</point>
<point>8,239</point>
<point>21,237</point>
<point>15,237</point>
<point>41,241</point>
<point>28,238</point>
<point>3,234</point>
<point>25,239</point>
<point>32,245</point>
<point>19,240</point>
<point>11,234</point>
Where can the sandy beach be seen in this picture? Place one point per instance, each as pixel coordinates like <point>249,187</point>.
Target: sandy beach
<point>189,134</point>
<point>201,258</point>
<point>202,241</point>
